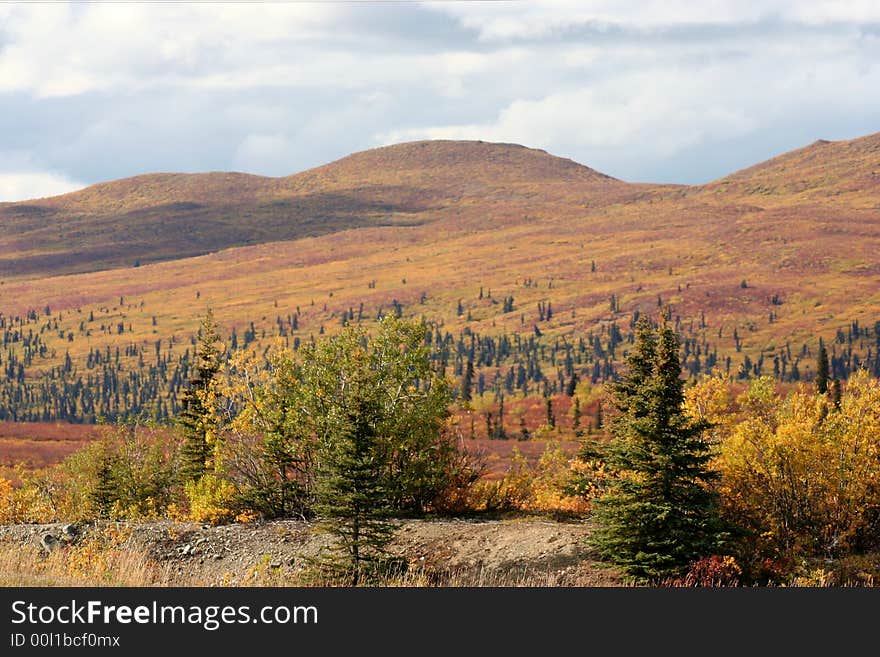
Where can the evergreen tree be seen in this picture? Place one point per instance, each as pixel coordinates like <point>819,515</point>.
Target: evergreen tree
<point>105,491</point>
<point>500,433</point>
<point>350,487</point>
<point>657,515</point>
<point>467,381</point>
<point>572,385</point>
<point>822,369</point>
<point>196,419</point>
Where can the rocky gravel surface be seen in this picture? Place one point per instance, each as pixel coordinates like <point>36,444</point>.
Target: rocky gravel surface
<point>466,552</point>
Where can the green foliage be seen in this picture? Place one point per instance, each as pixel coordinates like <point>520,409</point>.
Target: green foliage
<point>657,515</point>
<point>268,446</point>
<point>128,473</point>
<point>467,381</point>
<point>377,411</point>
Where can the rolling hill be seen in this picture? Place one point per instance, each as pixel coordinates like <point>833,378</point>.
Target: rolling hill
<point>533,266</point>
<point>168,216</point>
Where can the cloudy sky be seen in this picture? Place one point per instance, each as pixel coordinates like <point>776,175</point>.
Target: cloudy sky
<point>665,90</point>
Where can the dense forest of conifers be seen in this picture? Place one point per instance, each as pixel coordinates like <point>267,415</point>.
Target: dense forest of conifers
<point>132,377</point>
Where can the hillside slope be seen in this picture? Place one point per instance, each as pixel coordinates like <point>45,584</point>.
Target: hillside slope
<point>532,266</point>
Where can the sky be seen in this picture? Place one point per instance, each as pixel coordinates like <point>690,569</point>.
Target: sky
<point>653,91</point>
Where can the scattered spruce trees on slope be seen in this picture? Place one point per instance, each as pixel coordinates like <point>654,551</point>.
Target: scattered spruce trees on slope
<point>657,515</point>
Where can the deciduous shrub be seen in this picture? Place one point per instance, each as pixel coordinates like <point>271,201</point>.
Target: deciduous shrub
<point>211,499</point>
<point>803,476</point>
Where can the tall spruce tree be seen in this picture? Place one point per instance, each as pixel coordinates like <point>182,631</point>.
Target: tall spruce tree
<point>196,419</point>
<point>822,369</point>
<point>467,381</point>
<point>658,514</point>
<point>350,486</point>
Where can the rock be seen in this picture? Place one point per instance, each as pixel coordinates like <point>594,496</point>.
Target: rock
<point>49,542</point>
<point>276,563</point>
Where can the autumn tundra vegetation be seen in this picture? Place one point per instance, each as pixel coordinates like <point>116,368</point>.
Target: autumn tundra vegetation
<point>459,329</point>
<point>709,483</point>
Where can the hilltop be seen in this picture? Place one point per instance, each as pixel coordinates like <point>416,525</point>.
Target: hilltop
<point>846,170</point>
<point>168,216</point>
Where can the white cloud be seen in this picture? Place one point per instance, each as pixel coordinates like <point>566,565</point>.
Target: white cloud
<point>101,90</point>
<point>63,50</point>
<point>650,112</point>
<point>543,18</point>
<point>33,185</point>
<point>653,104</point>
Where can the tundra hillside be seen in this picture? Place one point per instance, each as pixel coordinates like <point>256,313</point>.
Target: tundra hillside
<point>533,267</point>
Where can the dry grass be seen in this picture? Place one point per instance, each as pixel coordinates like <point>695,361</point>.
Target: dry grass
<point>82,566</point>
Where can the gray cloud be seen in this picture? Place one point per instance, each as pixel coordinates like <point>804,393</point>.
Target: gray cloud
<point>664,91</point>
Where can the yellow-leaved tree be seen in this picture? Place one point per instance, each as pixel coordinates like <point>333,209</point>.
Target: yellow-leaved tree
<point>803,475</point>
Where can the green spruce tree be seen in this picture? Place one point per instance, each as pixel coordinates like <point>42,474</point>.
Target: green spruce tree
<point>822,369</point>
<point>658,514</point>
<point>350,489</point>
<point>105,491</point>
<point>467,381</point>
<point>576,418</point>
<point>196,419</point>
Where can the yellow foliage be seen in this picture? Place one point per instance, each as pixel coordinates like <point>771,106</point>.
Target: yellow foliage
<point>26,503</point>
<point>513,491</point>
<point>7,503</point>
<point>709,399</point>
<point>590,477</point>
<point>802,474</point>
<point>550,483</point>
<point>211,499</point>
<point>524,487</point>
<point>247,516</point>
<point>146,509</point>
